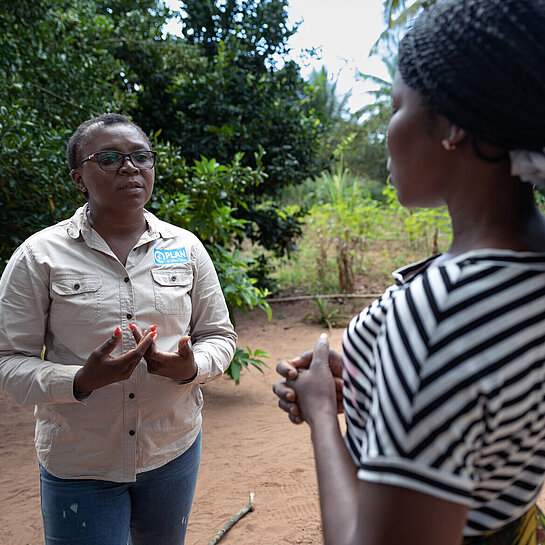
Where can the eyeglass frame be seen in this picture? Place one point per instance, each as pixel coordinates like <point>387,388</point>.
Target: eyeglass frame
<point>124,158</point>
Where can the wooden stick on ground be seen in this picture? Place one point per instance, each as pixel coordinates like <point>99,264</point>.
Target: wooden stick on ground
<point>233,520</point>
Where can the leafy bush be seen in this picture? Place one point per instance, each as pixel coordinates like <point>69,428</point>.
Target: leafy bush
<point>327,315</point>
<point>245,358</point>
<point>346,221</point>
<point>356,235</point>
<point>428,229</point>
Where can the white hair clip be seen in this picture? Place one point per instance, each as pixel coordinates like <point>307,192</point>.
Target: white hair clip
<point>529,166</point>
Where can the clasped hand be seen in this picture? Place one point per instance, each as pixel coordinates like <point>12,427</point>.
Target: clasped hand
<point>101,368</point>
<point>179,365</point>
<point>312,384</point>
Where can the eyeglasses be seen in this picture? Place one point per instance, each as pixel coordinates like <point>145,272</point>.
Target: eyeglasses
<point>112,161</point>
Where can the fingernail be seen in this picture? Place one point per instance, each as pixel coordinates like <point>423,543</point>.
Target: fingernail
<point>323,336</point>
<point>117,331</point>
<point>131,326</point>
<point>154,334</point>
<point>154,327</point>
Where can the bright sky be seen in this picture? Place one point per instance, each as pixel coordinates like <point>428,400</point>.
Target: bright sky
<point>343,32</point>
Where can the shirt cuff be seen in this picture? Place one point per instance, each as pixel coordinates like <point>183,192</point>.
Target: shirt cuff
<point>62,383</point>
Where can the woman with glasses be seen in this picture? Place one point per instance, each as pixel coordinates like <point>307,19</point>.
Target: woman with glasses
<point>109,321</point>
<point>444,375</point>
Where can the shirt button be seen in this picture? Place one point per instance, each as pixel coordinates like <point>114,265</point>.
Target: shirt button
<point>129,316</point>
<point>173,278</point>
<point>132,432</point>
<point>126,279</point>
<point>76,286</point>
<point>131,396</point>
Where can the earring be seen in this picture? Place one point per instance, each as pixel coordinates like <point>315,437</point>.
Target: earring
<point>448,145</point>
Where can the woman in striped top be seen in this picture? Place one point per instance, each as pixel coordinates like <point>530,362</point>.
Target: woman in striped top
<point>444,376</point>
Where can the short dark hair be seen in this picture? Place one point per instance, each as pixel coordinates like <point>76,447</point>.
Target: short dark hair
<point>80,135</point>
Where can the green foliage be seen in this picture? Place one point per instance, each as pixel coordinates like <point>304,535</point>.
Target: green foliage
<point>383,235</point>
<point>326,315</point>
<point>203,197</point>
<point>398,15</point>
<point>346,220</point>
<point>258,28</point>
<point>424,227</point>
<point>32,193</point>
<point>215,93</point>
<point>245,358</point>
<point>238,287</point>
<point>324,99</point>
<point>58,68</point>
<point>363,142</point>
<point>332,110</point>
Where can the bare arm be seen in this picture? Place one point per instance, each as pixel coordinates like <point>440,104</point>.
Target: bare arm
<point>356,512</point>
<point>366,513</point>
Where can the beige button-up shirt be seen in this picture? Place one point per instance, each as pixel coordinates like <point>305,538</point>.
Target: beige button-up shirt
<point>65,289</point>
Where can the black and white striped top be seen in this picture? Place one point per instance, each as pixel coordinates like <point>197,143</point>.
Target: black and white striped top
<point>445,384</point>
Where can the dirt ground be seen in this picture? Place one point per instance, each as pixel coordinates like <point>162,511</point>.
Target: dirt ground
<point>248,446</point>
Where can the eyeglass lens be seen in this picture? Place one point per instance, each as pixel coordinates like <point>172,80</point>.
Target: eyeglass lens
<point>113,160</point>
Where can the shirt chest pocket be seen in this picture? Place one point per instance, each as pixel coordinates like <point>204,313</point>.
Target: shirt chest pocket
<point>75,299</point>
<point>171,288</point>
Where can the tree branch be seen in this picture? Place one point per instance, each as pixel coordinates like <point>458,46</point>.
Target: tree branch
<point>59,97</point>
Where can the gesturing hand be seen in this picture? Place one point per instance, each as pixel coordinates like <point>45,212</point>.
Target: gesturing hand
<point>179,365</point>
<point>313,382</point>
<point>102,369</point>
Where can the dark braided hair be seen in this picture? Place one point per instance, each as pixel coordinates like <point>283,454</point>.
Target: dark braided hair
<point>77,140</point>
<point>481,64</point>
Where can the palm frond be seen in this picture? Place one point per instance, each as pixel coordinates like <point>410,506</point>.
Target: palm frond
<point>391,7</point>
<point>375,80</point>
<point>398,22</point>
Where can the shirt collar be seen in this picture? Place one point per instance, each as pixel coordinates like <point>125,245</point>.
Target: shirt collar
<point>406,273</point>
<point>79,225</point>
<point>158,227</point>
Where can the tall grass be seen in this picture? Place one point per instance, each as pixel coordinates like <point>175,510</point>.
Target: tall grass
<point>352,240</point>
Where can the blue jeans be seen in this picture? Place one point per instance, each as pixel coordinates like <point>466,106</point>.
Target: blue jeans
<point>155,508</point>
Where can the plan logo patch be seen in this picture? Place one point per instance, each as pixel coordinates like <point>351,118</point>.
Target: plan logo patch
<point>166,257</point>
